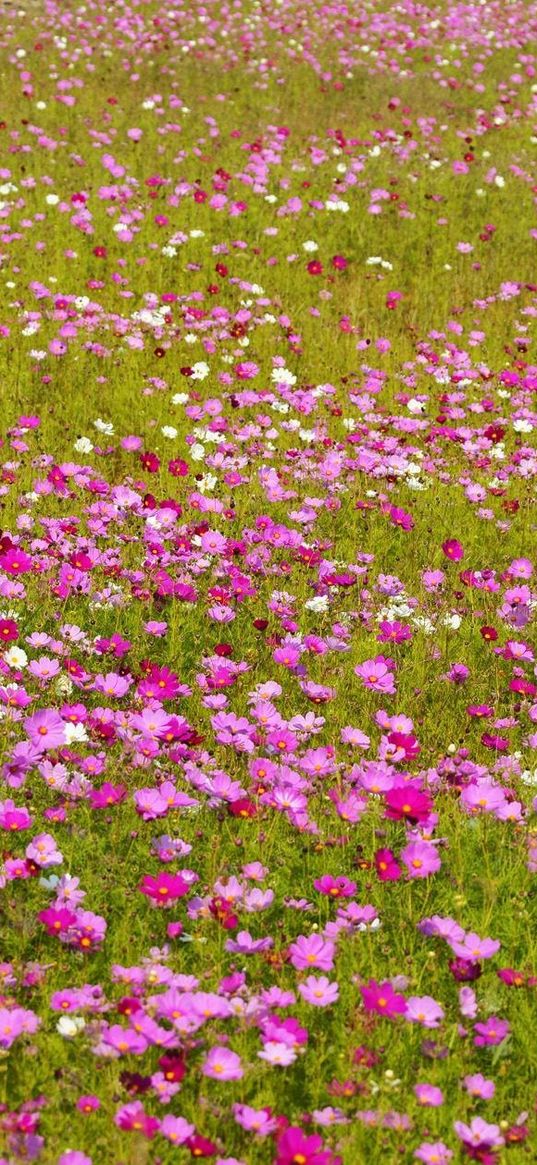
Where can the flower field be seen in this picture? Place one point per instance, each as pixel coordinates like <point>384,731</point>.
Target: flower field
<point>268,587</point>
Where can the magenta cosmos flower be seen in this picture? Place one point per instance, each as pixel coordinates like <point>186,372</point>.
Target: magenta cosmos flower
<point>381,998</point>
<point>407,803</point>
<point>388,869</point>
<point>335,887</point>
<point>293,1147</point>
<point>164,889</point>
<point>491,1033</point>
<point>453,550</point>
<point>134,1118</point>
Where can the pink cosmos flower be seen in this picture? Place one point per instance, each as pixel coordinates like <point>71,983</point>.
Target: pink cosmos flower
<point>255,1120</point>
<point>421,859</point>
<point>57,922</point>
<point>478,1134</point>
<point>244,944</point>
<point>319,991</point>
<point>399,517</point>
<point>311,952</point>
<point>87,932</point>
<point>43,851</point>
<point>222,1064</point>
<point>355,738</point>
<point>176,1129</point>
<point>124,1040</point>
<point>471,946</point>
<point>14,1022</point>
<point>393,632</point>
<point>45,729</point>
<point>491,1033</point>
<point>15,562</point>
<point>107,795</point>
<point>433,1153</point>
<point>482,797</point>
<point>424,1010</point>
<point>88,1103</point>
<point>278,1053</point>
<point>376,675</point>
<point>477,1085</point>
<point>12,819</point>
<point>428,1095</point>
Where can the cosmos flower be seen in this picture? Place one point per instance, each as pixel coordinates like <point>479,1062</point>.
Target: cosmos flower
<point>222,1064</point>
<point>382,999</point>
<point>313,952</point>
<point>319,991</point>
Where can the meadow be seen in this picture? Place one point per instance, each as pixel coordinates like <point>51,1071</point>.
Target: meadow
<point>268,687</point>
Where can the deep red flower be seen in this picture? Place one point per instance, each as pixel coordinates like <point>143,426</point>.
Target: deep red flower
<point>201,1147</point>
<point>178,468</point>
<point>490,634</point>
<point>8,631</point>
<point>173,1067</point>
<point>243,807</point>
<point>150,462</point>
<point>465,970</point>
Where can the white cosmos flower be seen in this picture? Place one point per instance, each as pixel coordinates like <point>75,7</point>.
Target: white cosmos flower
<point>16,657</point>
<point>207,483</point>
<point>200,370</point>
<point>75,732</point>
<point>318,604</point>
<point>70,1026</point>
